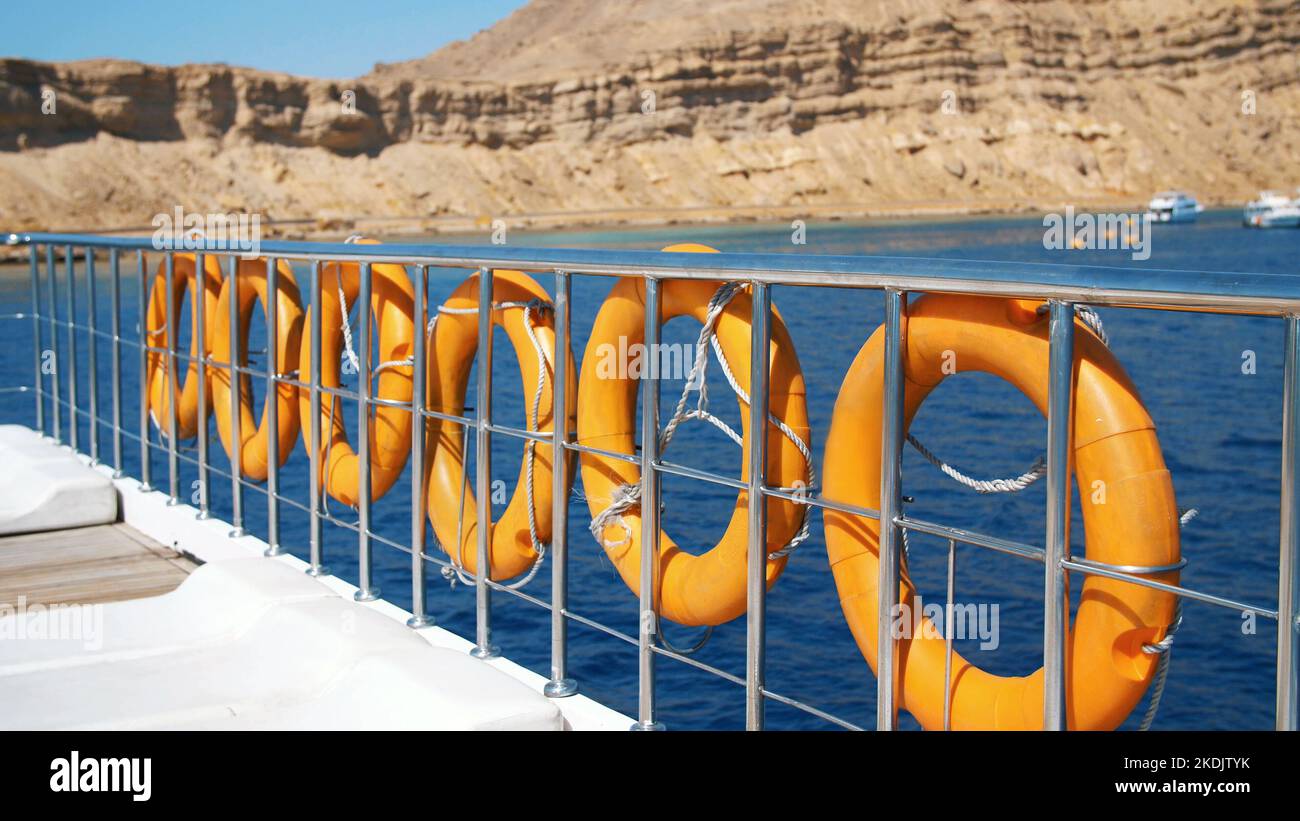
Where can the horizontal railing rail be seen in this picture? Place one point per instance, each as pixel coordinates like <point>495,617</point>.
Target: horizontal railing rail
<point>1062,286</point>
<point>1251,293</point>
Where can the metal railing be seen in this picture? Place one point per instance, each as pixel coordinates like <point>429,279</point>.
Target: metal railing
<point>1063,286</point>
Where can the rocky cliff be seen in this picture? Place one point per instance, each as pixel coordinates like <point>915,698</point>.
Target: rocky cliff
<point>590,106</point>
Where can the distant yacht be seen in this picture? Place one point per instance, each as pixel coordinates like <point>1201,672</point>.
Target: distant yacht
<point>1173,206</point>
<point>1273,209</point>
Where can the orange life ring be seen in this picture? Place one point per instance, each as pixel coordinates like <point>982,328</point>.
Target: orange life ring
<point>1134,522</point>
<point>452,508</point>
<point>251,275</point>
<point>155,323</point>
<point>392,308</point>
<point>707,589</point>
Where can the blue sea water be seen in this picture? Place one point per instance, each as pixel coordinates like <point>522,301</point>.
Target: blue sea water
<point>1219,428</point>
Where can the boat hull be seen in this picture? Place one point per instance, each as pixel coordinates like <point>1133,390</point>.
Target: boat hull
<point>1172,216</point>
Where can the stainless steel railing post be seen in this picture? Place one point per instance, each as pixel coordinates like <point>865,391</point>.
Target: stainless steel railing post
<point>314,535</point>
<point>649,514</point>
<point>115,297</point>
<point>1288,563</point>
<point>173,456</point>
<point>92,355</point>
<point>419,604</point>
<point>367,590</point>
<point>236,388</point>
<point>52,274</point>
<point>484,648</point>
<point>273,366</point>
<point>1056,601</point>
<point>69,261</point>
<point>891,507</point>
<point>200,320</point>
<point>146,468</point>
<point>38,380</point>
<point>756,559</point>
<point>560,685</point>
<point>949,633</point>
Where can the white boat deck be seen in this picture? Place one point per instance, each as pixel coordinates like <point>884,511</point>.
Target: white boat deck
<point>244,641</point>
<point>87,565</point>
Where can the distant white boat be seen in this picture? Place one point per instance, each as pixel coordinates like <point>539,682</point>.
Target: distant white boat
<point>1173,206</point>
<point>1272,209</point>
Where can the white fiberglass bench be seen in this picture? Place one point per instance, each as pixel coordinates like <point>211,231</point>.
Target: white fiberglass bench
<point>46,487</point>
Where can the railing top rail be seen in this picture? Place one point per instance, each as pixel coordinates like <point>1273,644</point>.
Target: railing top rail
<point>1212,291</point>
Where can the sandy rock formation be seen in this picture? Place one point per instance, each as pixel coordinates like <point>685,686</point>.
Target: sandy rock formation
<point>584,105</point>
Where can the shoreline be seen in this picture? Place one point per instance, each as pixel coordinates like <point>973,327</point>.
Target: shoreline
<point>711,215</point>
<point>460,225</point>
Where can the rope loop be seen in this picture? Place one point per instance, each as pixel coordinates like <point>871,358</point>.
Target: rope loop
<point>1038,469</point>
<point>1164,648</point>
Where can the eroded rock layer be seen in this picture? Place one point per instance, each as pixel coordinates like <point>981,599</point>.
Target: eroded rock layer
<point>582,105</point>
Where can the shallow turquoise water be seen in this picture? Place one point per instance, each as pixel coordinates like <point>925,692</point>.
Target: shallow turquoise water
<point>1219,429</point>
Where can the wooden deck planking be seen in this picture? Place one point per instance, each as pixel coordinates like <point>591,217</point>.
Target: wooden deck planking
<point>87,565</point>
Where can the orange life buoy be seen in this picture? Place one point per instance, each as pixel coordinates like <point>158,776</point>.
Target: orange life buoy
<point>707,589</point>
<point>519,308</point>
<point>392,300</point>
<point>183,278</point>
<point>251,275</point>
<point>1133,523</point>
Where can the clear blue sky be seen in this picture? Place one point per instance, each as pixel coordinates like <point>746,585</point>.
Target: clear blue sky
<point>316,38</point>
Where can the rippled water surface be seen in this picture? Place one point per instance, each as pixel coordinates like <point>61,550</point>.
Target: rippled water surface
<point>1219,428</point>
